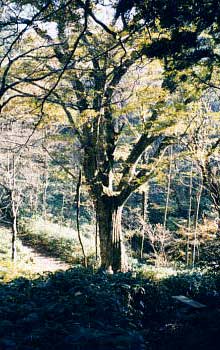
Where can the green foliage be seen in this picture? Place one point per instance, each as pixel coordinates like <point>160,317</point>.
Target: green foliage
<point>81,310</point>
<point>197,283</point>
<point>210,253</point>
<point>75,309</point>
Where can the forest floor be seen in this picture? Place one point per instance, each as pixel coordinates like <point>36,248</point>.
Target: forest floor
<point>76,309</point>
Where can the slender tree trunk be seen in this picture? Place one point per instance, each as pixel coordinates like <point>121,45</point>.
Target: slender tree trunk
<point>96,234</point>
<point>189,215</point>
<point>168,188</point>
<point>35,200</point>
<point>144,206</point>
<point>196,243</point>
<point>78,199</point>
<point>45,188</point>
<point>14,211</point>
<point>62,212</point>
<point>14,237</point>
<point>218,226</point>
<point>112,250</point>
<point>31,202</point>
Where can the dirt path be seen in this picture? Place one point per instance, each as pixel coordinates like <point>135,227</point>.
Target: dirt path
<point>38,263</point>
<point>29,260</point>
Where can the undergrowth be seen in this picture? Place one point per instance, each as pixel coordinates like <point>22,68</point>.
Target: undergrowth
<point>84,310</point>
<point>80,310</point>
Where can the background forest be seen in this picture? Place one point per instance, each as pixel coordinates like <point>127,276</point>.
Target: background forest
<point>110,169</point>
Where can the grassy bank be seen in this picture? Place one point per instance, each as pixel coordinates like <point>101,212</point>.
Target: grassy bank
<point>58,241</point>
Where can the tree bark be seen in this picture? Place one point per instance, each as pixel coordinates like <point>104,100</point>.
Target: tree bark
<point>14,237</point>
<point>144,206</point>
<point>78,199</point>
<point>96,236</point>
<point>218,226</point>
<point>189,214</point>
<point>168,188</point>
<point>112,250</point>
<point>196,242</point>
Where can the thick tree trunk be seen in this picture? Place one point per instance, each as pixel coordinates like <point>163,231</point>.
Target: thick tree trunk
<point>112,250</point>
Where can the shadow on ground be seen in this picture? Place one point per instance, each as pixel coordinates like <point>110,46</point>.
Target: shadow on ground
<point>79,310</point>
